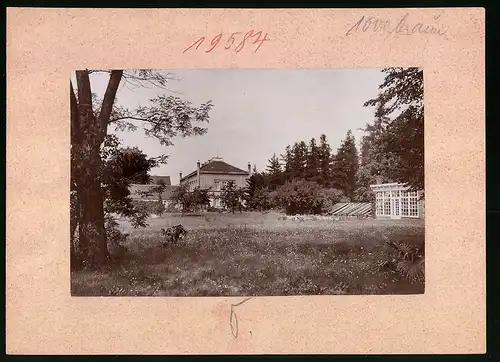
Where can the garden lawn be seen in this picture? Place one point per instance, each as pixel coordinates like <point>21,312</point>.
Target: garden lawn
<point>254,254</point>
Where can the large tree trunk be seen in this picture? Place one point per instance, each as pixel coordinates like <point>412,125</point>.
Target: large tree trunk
<point>75,262</point>
<point>92,234</point>
<point>87,135</point>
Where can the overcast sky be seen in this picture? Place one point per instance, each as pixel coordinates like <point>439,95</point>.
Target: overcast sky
<point>256,112</point>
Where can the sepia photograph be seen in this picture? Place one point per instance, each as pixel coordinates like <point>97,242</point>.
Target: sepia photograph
<point>247,182</point>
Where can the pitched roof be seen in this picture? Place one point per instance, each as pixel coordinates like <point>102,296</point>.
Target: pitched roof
<point>217,166</point>
<point>136,191</point>
<point>165,179</point>
<point>351,209</point>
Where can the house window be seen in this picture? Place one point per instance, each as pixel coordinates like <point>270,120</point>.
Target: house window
<point>398,202</point>
<point>383,203</point>
<point>404,206</point>
<point>217,185</point>
<point>387,206</point>
<point>413,206</point>
<point>378,203</point>
<point>380,209</point>
<point>409,203</point>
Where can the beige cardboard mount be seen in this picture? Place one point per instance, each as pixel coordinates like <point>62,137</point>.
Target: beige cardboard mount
<point>45,45</point>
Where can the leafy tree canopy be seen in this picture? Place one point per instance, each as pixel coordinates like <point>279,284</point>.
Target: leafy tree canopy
<point>396,138</point>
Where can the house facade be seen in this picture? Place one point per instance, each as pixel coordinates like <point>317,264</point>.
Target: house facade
<point>213,175</point>
<point>397,201</point>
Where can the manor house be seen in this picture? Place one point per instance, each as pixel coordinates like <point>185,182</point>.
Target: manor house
<point>213,175</point>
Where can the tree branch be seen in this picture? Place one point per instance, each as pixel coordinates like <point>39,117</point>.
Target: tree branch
<point>144,78</point>
<point>114,120</point>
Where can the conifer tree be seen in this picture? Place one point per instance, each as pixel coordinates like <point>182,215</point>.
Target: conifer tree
<point>345,166</point>
<point>286,161</point>
<point>313,161</point>
<point>374,162</point>
<point>274,172</point>
<point>299,160</point>
<point>324,161</point>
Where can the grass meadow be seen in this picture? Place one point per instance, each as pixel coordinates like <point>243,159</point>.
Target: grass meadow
<point>253,254</point>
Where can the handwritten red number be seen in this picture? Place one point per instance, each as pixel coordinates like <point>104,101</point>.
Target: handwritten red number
<point>259,40</point>
<point>242,44</point>
<point>215,41</point>
<point>232,40</point>
<point>197,43</point>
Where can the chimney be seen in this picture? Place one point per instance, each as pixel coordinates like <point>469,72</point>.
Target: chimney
<point>198,173</point>
<point>249,169</point>
<point>378,179</point>
<point>180,177</point>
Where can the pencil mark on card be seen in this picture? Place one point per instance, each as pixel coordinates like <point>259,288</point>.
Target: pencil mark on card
<point>233,318</point>
<point>402,26</point>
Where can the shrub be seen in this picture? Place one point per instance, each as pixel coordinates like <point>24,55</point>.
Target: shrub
<point>261,200</point>
<point>331,197</point>
<point>194,200</point>
<point>306,197</point>
<point>301,197</point>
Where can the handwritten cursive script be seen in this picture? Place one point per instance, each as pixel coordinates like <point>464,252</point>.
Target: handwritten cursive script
<point>402,27</point>
<point>235,41</point>
<point>233,318</point>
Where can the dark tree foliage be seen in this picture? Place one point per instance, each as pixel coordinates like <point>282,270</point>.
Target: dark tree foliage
<point>232,197</point>
<point>200,198</point>
<point>299,161</point>
<point>286,159</point>
<point>133,164</point>
<point>397,136</point>
<point>181,197</point>
<point>325,158</point>
<point>313,161</point>
<point>374,162</point>
<point>345,166</point>
<point>257,192</point>
<point>194,200</point>
<point>300,197</point>
<point>122,167</point>
<point>274,173</point>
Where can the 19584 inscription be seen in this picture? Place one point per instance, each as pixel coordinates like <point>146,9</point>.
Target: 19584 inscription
<point>403,26</point>
<point>235,41</point>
